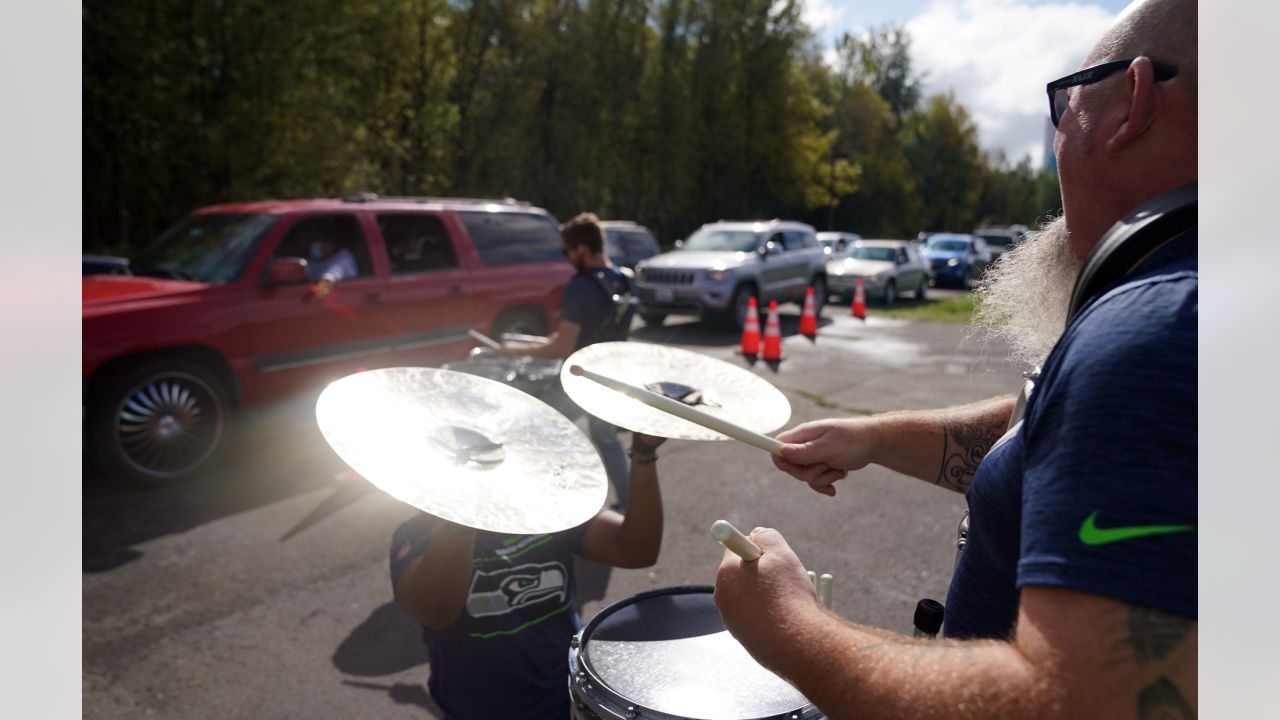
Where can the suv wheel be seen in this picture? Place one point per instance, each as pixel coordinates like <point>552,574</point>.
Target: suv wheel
<point>741,301</point>
<point>922,292</point>
<point>891,293</point>
<point>653,319</point>
<point>159,422</point>
<point>819,286</point>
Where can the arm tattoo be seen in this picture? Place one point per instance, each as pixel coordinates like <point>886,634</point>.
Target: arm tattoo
<point>964,444</point>
<point>1155,634</point>
<point>1161,701</point>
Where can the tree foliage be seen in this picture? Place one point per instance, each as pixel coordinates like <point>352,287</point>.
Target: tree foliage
<point>669,112</point>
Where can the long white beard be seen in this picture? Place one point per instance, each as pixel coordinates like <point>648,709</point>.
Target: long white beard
<point>1024,297</point>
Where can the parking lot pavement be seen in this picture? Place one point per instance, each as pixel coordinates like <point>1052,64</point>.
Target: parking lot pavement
<point>260,589</point>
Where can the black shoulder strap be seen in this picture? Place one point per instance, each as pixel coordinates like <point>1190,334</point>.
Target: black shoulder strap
<point>1141,232</point>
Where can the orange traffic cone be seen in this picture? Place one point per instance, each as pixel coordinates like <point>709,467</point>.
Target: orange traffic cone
<point>772,335</point>
<point>859,309</point>
<point>809,318</point>
<point>751,330</point>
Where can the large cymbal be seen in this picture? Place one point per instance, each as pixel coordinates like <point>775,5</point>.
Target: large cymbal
<point>727,391</point>
<point>464,448</point>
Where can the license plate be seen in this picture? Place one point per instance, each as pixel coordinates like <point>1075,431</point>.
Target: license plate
<point>663,296</point>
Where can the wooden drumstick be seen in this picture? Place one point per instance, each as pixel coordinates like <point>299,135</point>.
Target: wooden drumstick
<point>680,410</point>
<point>813,579</point>
<point>485,339</point>
<point>732,538</point>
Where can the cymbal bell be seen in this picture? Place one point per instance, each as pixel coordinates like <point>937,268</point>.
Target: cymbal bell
<point>712,386</point>
<point>464,448</point>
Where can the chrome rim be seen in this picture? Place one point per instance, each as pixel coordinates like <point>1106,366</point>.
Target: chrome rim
<point>168,425</point>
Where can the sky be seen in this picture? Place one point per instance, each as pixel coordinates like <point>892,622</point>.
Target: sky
<point>995,55</point>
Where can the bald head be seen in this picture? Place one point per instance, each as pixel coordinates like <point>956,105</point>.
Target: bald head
<point>1163,30</point>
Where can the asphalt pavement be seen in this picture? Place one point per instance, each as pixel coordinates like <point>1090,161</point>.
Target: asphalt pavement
<point>260,589</point>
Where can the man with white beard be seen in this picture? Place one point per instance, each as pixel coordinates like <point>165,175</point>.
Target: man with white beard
<point>1075,595</point>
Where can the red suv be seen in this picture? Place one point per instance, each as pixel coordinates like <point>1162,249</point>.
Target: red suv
<point>219,313</point>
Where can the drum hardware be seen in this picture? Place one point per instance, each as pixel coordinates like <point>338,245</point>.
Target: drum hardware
<point>928,618</point>
<point>628,384</point>
<point>468,449</point>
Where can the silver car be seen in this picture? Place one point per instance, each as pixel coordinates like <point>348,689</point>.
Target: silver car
<point>886,268</point>
<point>719,268</point>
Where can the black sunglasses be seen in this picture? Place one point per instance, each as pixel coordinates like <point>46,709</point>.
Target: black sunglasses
<point>1059,97</point>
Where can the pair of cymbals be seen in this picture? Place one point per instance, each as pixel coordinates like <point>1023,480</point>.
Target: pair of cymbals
<point>486,455</point>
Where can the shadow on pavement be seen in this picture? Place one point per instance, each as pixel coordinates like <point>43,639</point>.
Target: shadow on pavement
<point>402,694</point>
<point>271,459</point>
<point>386,643</point>
<point>710,333</point>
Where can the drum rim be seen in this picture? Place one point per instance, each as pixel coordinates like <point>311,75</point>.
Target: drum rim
<point>586,675</point>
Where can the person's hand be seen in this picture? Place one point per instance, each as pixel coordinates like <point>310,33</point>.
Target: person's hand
<point>756,598</point>
<point>322,287</point>
<point>822,452</point>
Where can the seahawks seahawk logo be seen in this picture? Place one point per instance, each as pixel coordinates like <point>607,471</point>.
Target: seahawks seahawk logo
<point>508,590</point>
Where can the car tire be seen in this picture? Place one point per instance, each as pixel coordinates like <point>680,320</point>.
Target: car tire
<point>922,292</point>
<point>520,321</point>
<point>737,313</point>
<point>890,293</point>
<point>652,319</point>
<point>819,286</point>
<point>157,422</point>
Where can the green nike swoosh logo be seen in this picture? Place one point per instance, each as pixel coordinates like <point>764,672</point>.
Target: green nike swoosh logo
<point>1091,534</point>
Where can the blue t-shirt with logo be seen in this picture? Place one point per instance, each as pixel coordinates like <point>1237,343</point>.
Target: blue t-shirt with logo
<point>1095,490</point>
<point>507,653</point>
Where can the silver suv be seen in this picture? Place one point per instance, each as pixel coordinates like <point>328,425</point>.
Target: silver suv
<point>722,265</point>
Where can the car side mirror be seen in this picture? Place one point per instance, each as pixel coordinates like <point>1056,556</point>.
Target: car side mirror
<point>287,271</point>
<point>770,248</point>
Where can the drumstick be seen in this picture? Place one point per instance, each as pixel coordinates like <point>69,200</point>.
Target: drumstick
<point>732,538</point>
<point>679,409</point>
<point>813,579</point>
<point>485,339</point>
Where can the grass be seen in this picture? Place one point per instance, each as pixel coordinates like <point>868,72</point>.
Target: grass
<point>957,309</point>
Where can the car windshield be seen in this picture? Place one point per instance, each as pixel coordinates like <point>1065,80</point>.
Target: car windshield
<point>211,248</point>
<point>871,253</point>
<point>1001,240</point>
<point>731,240</point>
<point>938,244</point>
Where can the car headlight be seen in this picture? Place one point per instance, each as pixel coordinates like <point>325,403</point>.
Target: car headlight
<point>835,269</point>
<point>718,275</point>
<point>953,262</point>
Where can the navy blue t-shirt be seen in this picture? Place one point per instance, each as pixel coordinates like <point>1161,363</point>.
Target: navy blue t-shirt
<point>507,654</point>
<point>1095,490</point>
<point>585,304</point>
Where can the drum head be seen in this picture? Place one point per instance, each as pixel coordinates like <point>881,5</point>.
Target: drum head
<point>667,651</point>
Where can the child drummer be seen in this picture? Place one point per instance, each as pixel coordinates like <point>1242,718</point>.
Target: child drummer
<point>498,610</point>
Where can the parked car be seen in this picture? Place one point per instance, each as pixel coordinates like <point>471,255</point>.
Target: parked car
<point>956,258</point>
<point>219,315</point>
<point>834,243</point>
<point>1001,239</point>
<point>627,243</point>
<point>719,268</point>
<point>104,265</point>
<point>886,268</point>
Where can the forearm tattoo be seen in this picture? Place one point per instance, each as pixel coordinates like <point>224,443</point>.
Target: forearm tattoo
<point>964,444</point>
<point>1155,636</point>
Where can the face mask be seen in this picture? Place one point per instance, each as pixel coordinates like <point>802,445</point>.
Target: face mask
<point>316,250</point>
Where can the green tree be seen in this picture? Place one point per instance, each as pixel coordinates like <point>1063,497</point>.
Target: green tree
<point>940,143</point>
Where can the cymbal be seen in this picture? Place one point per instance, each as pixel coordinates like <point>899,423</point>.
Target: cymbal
<point>713,386</point>
<point>464,448</point>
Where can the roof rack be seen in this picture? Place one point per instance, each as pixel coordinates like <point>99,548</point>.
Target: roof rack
<point>370,197</point>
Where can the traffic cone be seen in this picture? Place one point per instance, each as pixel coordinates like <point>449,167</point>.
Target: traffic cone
<point>808,317</point>
<point>859,309</point>
<point>751,330</point>
<point>772,335</point>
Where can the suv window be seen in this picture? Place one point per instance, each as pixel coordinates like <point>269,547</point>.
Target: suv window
<point>344,229</point>
<point>798,240</point>
<point>510,238</point>
<point>641,245</point>
<point>208,247</point>
<point>416,242</point>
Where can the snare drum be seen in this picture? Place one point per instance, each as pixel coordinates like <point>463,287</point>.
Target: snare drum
<point>665,654</point>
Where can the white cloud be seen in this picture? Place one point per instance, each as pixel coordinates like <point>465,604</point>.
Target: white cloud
<point>996,56</point>
<point>820,14</point>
